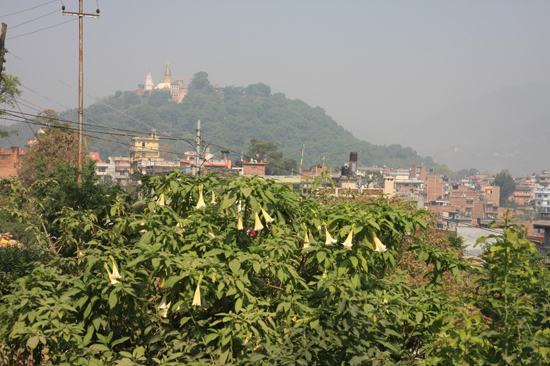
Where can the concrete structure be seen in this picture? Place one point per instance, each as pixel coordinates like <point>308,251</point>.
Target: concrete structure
<point>144,149</point>
<point>418,172</point>
<point>118,168</point>
<point>542,199</point>
<point>471,235</point>
<point>523,194</point>
<point>544,225</point>
<point>210,165</point>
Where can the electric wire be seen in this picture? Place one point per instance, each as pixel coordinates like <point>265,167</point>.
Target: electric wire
<point>90,129</point>
<point>17,104</point>
<point>72,87</point>
<point>22,11</point>
<point>41,29</point>
<point>32,20</point>
<point>30,105</point>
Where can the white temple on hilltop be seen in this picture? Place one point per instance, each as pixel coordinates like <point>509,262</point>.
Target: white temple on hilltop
<point>177,90</point>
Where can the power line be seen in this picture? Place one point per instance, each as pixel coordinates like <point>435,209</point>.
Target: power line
<point>92,128</point>
<point>72,87</point>
<point>17,104</point>
<point>41,29</point>
<point>22,11</point>
<point>32,20</point>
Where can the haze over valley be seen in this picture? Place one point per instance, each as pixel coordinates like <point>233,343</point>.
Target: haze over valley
<point>466,83</point>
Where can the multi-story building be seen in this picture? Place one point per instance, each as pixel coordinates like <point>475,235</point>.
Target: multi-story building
<point>118,168</point>
<point>144,149</point>
<point>542,199</point>
<point>523,194</point>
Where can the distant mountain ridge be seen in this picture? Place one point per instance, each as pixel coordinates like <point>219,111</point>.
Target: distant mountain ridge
<point>506,129</point>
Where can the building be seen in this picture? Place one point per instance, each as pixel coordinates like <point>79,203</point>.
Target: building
<point>9,162</point>
<point>177,90</point>
<point>116,168</point>
<point>523,194</point>
<point>542,199</point>
<point>144,149</point>
<point>418,172</point>
<point>254,168</point>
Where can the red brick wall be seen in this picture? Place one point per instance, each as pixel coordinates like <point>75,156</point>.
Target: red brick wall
<point>254,168</point>
<point>9,162</point>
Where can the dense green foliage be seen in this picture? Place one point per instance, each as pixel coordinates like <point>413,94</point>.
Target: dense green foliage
<point>507,186</point>
<point>240,271</point>
<point>8,91</point>
<point>232,121</point>
<point>277,165</point>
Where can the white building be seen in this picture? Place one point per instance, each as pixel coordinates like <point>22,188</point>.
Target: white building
<point>542,199</point>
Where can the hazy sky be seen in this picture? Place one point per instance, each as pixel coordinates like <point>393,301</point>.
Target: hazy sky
<point>374,66</point>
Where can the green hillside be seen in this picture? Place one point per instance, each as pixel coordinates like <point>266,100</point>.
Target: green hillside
<point>230,122</point>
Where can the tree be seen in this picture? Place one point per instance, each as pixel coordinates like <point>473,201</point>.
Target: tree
<point>55,143</point>
<point>507,185</point>
<point>444,170</point>
<point>258,90</point>
<point>276,164</point>
<point>201,83</point>
<point>8,91</point>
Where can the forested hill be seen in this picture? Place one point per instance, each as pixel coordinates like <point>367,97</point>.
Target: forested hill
<point>231,122</point>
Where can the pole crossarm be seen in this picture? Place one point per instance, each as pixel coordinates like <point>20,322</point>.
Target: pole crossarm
<point>85,15</point>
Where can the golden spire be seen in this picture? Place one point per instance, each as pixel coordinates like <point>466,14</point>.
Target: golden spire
<point>167,76</point>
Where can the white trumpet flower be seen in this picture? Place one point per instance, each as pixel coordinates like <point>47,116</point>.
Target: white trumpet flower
<point>197,297</point>
<point>306,241</point>
<point>257,222</point>
<point>164,306</point>
<point>268,219</point>
<point>113,276</point>
<point>200,203</point>
<point>377,244</point>
<point>330,240</point>
<point>347,244</point>
<point>240,222</point>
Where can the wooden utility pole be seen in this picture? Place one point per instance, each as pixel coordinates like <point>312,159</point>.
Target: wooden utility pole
<point>198,149</point>
<point>2,49</point>
<point>81,16</point>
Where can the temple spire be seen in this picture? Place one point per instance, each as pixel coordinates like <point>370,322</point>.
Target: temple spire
<point>149,82</point>
<point>167,76</point>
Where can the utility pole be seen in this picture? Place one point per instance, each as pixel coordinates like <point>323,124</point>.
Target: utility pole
<point>80,16</point>
<point>2,49</point>
<point>198,149</point>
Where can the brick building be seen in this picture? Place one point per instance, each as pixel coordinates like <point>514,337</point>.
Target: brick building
<point>9,162</point>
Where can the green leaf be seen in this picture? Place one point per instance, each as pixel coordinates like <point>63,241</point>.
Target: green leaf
<point>321,257</point>
<point>210,337</point>
<point>113,299</point>
<point>234,265</point>
<point>257,357</point>
<point>238,305</point>
<point>87,311</point>
<point>99,347</point>
<point>88,336</point>
<point>171,281</point>
<point>33,342</point>
<point>119,341</point>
